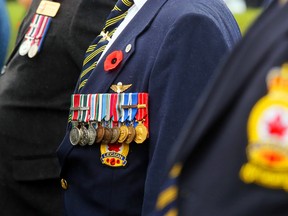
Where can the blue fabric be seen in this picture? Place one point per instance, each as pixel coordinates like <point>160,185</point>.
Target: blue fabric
<point>4,32</point>
<point>176,45</point>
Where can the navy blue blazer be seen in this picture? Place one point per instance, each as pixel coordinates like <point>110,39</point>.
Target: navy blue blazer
<point>215,148</point>
<point>176,45</point>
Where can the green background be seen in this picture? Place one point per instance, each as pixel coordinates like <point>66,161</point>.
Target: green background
<point>17,12</point>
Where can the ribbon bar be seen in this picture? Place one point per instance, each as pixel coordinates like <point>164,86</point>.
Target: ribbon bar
<point>79,108</point>
<point>138,106</point>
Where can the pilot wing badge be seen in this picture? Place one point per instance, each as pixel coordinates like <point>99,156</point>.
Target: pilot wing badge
<point>267,150</point>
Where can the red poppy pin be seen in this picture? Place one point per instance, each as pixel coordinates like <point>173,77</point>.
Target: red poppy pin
<point>113,60</point>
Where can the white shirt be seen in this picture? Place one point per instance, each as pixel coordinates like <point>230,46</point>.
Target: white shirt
<point>131,13</point>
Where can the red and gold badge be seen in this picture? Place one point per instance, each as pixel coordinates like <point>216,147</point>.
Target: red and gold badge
<point>267,150</point>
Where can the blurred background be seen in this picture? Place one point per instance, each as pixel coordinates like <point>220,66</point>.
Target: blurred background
<point>245,11</point>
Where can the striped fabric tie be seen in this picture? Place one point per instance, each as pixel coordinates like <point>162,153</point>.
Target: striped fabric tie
<point>95,50</point>
<point>166,204</point>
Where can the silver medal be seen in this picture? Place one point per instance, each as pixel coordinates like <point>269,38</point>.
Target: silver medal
<point>84,137</point>
<point>25,47</point>
<point>91,134</point>
<point>33,50</point>
<point>74,135</point>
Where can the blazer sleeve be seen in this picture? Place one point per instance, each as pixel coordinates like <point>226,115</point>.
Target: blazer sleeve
<point>189,54</point>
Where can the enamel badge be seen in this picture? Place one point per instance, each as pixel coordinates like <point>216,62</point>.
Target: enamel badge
<point>267,149</point>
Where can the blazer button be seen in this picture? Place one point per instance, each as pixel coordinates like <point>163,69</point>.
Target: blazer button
<point>64,184</point>
<point>128,48</point>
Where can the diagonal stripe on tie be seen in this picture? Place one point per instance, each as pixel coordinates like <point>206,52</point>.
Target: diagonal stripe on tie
<point>97,47</point>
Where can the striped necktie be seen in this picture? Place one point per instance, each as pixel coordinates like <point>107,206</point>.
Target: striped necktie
<point>167,199</point>
<point>95,50</point>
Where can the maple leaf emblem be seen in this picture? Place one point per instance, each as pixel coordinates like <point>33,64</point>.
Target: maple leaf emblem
<point>276,126</point>
<point>114,147</point>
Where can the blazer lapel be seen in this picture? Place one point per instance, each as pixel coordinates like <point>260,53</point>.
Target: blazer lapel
<point>128,37</point>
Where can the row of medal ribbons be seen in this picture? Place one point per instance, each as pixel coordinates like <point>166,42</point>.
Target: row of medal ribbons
<point>109,118</point>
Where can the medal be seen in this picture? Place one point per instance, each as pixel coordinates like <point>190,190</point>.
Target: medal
<point>100,133</point>
<point>33,50</point>
<point>124,131</point>
<point>24,48</point>
<point>84,137</point>
<point>91,134</point>
<point>131,134</point>
<point>141,133</point>
<point>74,134</point>
<point>107,135</point>
<point>115,134</point>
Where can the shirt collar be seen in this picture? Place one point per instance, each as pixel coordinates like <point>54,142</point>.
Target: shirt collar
<point>139,3</point>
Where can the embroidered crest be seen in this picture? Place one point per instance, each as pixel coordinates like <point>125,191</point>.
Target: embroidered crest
<point>114,155</point>
<point>267,150</point>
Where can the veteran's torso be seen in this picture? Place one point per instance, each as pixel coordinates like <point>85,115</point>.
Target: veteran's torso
<point>151,65</point>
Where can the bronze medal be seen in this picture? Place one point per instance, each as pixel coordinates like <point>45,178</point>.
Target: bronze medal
<point>115,134</point>
<point>131,134</point>
<point>141,133</point>
<point>123,133</point>
<point>91,134</point>
<point>107,136</point>
<point>74,135</point>
<point>84,137</point>
<point>100,133</point>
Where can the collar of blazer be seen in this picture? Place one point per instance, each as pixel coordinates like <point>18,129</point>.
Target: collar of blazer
<point>128,36</point>
<point>203,117</point>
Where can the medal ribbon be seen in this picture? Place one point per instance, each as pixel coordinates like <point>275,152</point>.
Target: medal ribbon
<point>94,98</point>
<point>119,104</point>
<point>33,27</point>
<point>100,102</point>
<point>133,100</point>
<point>104,106</point>
<point>75,102</point>
<point>45,28</point>
<point>84,112</point>
<point>142,113</point>
<point>124,112</point>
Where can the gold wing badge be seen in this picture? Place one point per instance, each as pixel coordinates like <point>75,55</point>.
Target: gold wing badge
<point>119,88</point>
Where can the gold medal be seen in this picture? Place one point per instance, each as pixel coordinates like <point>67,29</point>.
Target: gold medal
<point>48,8</point>
<point>123,133</point>
<point>131,134</point>
<point>115,134</point>
<point>141,133</point>
<point>100,133</point>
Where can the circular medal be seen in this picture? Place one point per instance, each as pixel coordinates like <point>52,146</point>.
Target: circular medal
<point>100,133</point>
<point>91,134</point>
<point>107,136</point>
<point>74,136</point>
<point>123,133</point>
<point>84,137</point>
<point>141,133</point>
<point>33,50</point>
<point>25,47</point>
<point>131,134</point>
<point>115,134</point>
